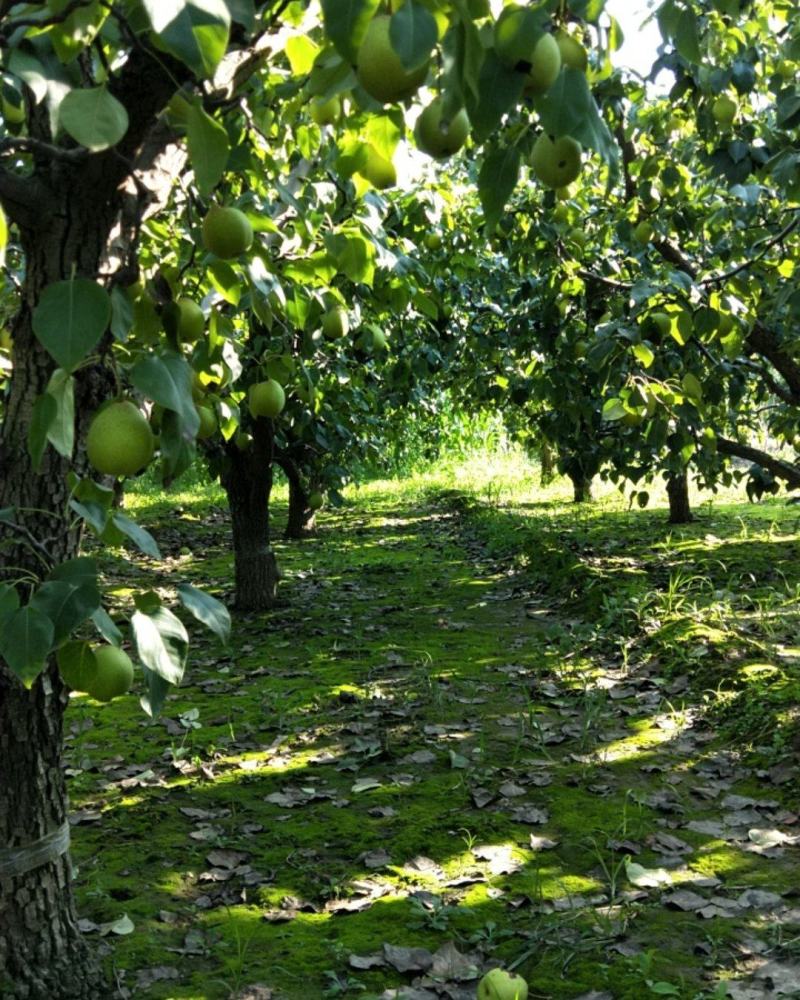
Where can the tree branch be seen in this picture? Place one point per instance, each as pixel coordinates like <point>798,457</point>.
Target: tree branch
<point>25,199</point>
<point>790,474</point>
<point>760,340</point>
<point>763,342</point>
<point>619,286</point>
<point>766,247</point>
<point>26,144</point>
<point>31,541</point>
<point>44,22</point>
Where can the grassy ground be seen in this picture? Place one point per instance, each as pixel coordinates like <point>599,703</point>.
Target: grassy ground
<point>483,723</point>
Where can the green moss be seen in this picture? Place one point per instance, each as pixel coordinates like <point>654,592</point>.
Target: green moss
<point>402,631</point>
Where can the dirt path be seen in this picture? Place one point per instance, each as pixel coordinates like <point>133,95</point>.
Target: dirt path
<point>415,769</point>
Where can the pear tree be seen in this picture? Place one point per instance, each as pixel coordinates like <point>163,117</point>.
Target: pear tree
<point>137,137</point>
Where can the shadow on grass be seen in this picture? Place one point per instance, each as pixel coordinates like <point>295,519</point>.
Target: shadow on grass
<point>397,645</point>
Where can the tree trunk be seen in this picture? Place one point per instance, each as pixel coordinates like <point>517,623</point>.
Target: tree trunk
<point>302,519</point>
<point>680,511</point>
<point>547,465</point>
<point>42,953</point>
<point>66,212</point>
<point>247,480</point>
<point>581,487</point>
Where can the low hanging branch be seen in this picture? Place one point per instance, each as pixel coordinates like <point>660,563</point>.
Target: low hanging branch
<point>790,474</point>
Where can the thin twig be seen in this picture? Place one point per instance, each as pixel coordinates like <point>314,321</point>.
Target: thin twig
<point>26,144</point>
<point>39,22</point>
<point>31,540</point>
<point>768,244</point>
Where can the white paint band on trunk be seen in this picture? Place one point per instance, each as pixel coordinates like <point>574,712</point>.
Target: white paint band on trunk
<point>20,860</point>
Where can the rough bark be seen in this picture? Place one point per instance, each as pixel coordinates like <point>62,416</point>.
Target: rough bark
<point>547,465</point>
<point>580,467</point>
<point>789,473</point>
<point>680,510</point>
<point>581,485</point>
<point>42,953</point>
<point>247,480</point>
<point>302,519</point>
<point>66,213</point>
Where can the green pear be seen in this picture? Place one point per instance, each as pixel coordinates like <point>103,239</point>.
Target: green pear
<point>724,110</point>
<point>227,232</point>
<point>379,171</point>
<point>335,323</point>
<point>556,162</point>
<point>573,54</point>
<point>437,137</point>
<point>501,985</point>
<point>545,66</point>
<point>266,399</point>
<point>379,69</point>
<point>114,674</point>
<point>516,33</point>
<point>120,441</point>
<point>325,112</point>
<point>191,321</point>
<point>208,422</point>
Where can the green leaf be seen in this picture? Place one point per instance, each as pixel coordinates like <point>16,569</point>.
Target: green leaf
<point>499,89</point>
<point>644,355</point>
<point>468,54</point>
<point>66,605</point>
<point>687,38</point>
<point>61,432</point>
<point>243,12</point>
<point>413,34</point>
<point>663,989</point>
<point>161,643</point>
<point>301,52</point>
<point>194,31</point>
<point>209,148</point>
<point>93,117</point>
<point>568,108</point>
<point>613,409</point>
<point>122,316</point>
<point>167,380</point>
<point>9,602</point>
<point>206,609</point>
<point>346,24</point>
<point>29,69</point>
<point>156,691</point>
<point>45,411</point>
<point>25,643</point>
<point>3,237</point>
<point>496,182</point>
<point>692,387</point>
<point>355,256</point>
<point>137,534</point>
<point>177,453</point>
<point>78,31</point>
<point>106,627</point>
<point>383,132</point>
<point>79,572</point>
<point>70,318</point>
<point>93,513</point>
<point>226,280</point>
